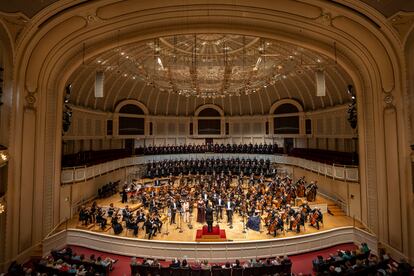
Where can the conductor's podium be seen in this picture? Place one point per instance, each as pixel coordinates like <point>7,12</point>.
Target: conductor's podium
<point>217,235</point>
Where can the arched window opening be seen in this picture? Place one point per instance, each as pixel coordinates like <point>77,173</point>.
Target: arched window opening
<point>209,112</point>
<point>209,122</point>
<point>286,109</point>
<point>286,124</point>
<point>131,109</point>
<point>131,119</point>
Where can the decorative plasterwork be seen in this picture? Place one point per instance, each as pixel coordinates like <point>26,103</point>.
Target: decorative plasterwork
<point>30,100</point>
<point>325,19</point>
<point>403,23</point>
<point>388,99</point>
<point>14,23</point>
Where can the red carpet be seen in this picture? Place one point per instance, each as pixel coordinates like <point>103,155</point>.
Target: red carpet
<point>301,263</point>
<point>216,234</point>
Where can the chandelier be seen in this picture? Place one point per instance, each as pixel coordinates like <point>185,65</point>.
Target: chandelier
<point>210,65</point>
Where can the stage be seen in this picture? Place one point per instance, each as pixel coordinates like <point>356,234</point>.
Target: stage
<point>184,233</point>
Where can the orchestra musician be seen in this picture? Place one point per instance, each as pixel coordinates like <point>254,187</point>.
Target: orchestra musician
<point>209,218</point>
<point>111,210</point>
<point>229,211</point>
<point>100,218</point>
<point>186,211</point>
<point>116,225</point>
<point>157,223</point>
<point>132,224</point>
<point>218,191</point>
<point>126,213</point>
<point>85,215</point>
<point>316,216</point>
<point>124,194</point>
<point>150,227</point>
<point>173,210</point>
<point>201,215</point>
<point>219,203</point>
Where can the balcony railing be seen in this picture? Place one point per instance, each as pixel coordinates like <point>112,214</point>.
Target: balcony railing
<point>78,174</point>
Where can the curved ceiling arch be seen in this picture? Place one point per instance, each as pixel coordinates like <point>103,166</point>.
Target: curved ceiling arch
<point>61,55</point>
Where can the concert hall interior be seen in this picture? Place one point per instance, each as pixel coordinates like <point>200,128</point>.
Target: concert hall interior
<point>181,134</point>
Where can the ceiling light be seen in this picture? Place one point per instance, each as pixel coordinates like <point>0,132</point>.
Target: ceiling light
<point>3,156</point>
<point>211,71</point>
<point>256,67</point>
<point>159,61</point>
<point>2,208</point>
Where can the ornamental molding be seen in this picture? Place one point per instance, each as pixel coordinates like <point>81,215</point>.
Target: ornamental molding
<point>403,23</point>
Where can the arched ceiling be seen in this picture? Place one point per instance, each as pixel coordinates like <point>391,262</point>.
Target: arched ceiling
<point>292,70</point>
<point>386,7</point>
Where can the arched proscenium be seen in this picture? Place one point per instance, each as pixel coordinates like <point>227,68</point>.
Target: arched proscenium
<point>50,49</point>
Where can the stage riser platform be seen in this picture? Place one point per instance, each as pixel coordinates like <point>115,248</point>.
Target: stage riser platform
<point>213,251</point>
<point>73,175</point>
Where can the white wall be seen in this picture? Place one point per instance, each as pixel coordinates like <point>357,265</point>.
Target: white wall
<point>330,130</point>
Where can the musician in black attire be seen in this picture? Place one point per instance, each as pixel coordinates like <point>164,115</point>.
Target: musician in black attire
<point>209,218</point>
<point>150,228</point>
<point>219,202</point>
<point>116,225</point>
<point>100,218</point>
<point>229,210</point>
<point>85,215</point>
<point>133,225</point>
<point>124,194</point>
<point>173,207</point>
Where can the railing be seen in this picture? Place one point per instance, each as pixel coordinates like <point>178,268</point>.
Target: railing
<point>77,174</point>
<point>212,251</point>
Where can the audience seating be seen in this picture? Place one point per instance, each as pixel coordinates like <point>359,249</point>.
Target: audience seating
<point>90,158</point>
<point>326,156</point>
<point>144,270</point>
<point>108,190</point>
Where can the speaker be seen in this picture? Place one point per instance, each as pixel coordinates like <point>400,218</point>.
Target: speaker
<point>99,84</point>
<point>320,83</point>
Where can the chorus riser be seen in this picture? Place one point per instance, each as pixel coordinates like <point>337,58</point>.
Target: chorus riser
<point>214,252</point>
<point>78,174</point>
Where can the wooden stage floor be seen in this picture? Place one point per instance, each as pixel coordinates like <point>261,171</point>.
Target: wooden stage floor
<point>234,234</point>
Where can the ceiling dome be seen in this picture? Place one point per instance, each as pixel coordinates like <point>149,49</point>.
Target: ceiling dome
<point>244,75</point>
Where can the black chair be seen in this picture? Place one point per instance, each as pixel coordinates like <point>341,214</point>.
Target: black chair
<point>181,271</point>
<point>205,272</point>
<point>195,272</point>
<point>185,271</point>
<point>216,271</point>
<point>226,272</point>
<point>134,269</point>
<point>237,271</point>
<point>175,271</point>
<point>153,270</point>
<point>165,271</point>
<point>287,268</point>
<point>249,271</point>
<point>276,269</point>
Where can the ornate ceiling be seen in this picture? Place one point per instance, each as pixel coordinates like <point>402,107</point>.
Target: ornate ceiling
<point>284,71</point>
<point>386,7</point>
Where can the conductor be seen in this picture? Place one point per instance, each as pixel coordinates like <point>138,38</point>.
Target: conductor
<point>209,218</point>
